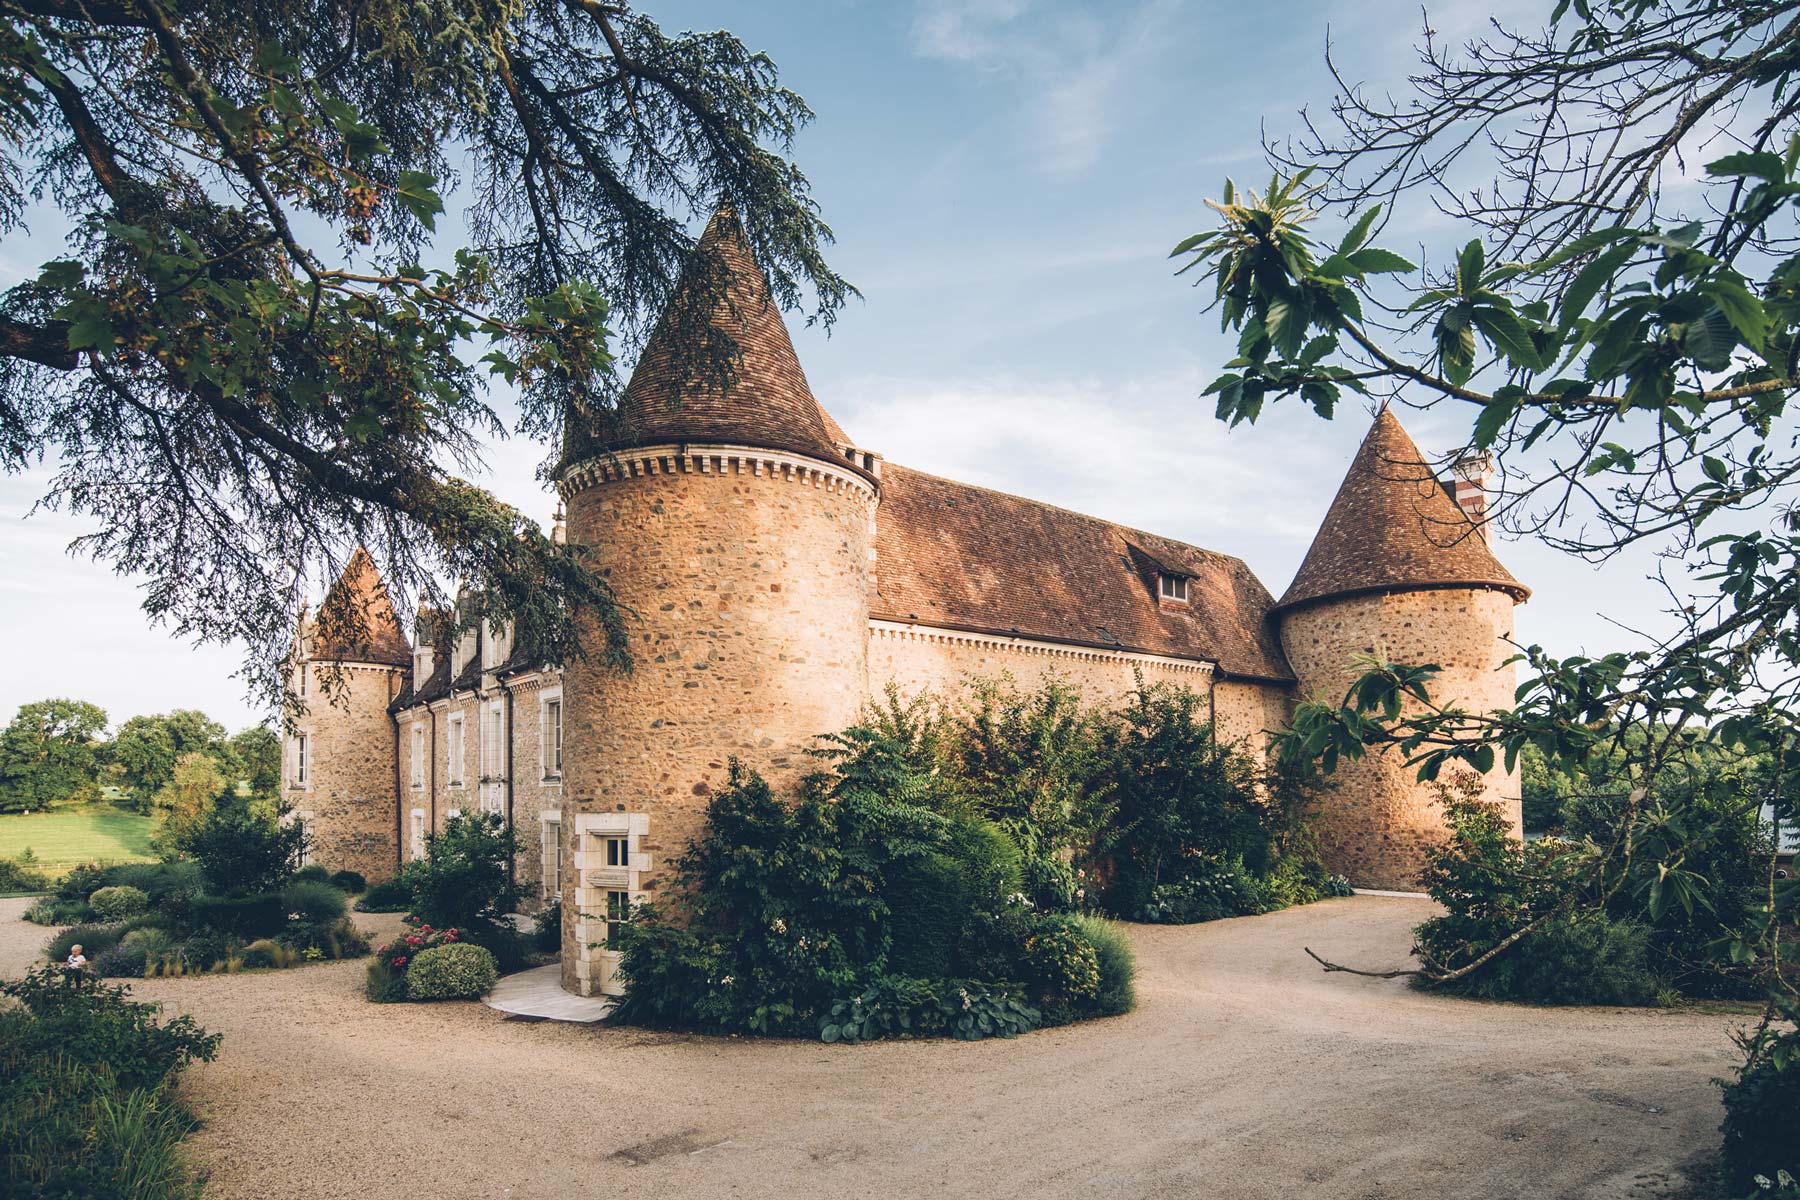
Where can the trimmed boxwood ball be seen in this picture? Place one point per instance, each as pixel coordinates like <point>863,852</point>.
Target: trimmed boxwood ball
<point>349,882</point>
<point>117,903</point>
<point>458,971</point>
<point>314,872</point>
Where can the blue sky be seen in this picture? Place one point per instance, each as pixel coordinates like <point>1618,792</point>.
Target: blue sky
<point>1005,178</point>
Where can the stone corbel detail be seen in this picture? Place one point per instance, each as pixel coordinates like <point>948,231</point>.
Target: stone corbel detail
<point>913,632</point>
<point>692,459</point>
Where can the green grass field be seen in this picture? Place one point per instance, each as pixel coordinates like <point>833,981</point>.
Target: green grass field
<point>68,837</point>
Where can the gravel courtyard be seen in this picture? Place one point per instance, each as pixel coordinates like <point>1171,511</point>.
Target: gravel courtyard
<point>1244,1072</point>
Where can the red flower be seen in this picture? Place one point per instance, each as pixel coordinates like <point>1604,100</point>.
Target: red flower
<point>413,941</point>
<point>450,936</point>
<point>400,961</point>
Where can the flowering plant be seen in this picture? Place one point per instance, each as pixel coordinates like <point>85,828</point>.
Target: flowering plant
<point>418,936</point>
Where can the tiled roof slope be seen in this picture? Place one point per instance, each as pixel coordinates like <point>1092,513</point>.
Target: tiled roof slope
<point>357,622</point>
<point>950,554</point>
<point>767,405</point>
<point>1394,527</point>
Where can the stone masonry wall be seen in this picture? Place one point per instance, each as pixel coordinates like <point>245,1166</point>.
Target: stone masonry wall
<point>348,801</point>
<point>923,659</point>
<point>534,792</point>
<point>748,573</point>
<point>1376,822</point>
<point>1244,710</point>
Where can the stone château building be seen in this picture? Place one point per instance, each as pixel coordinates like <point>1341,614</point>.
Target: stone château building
<point>782,574</point>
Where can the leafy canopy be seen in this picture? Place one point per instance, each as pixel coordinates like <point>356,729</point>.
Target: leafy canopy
<point>251,355</point>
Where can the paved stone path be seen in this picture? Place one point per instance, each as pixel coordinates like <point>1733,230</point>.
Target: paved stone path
<point>539,993</point>
<point>1244,1072</point>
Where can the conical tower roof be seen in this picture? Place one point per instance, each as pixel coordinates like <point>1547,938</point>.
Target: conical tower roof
<point>357,622</point>
<point>768,403</point>
<point>1393,527</point>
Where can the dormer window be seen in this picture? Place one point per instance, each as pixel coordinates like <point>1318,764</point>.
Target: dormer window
<point>1172,588</point>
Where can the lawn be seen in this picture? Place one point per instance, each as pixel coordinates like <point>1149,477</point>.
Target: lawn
<point>64,838</point>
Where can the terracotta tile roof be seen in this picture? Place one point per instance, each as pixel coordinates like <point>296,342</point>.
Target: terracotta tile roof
<point>1393,527</point>
<point>356,622</point>
<point>767,405</point>
<point>953,555</point>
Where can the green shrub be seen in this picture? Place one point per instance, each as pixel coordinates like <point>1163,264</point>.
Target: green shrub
<point>992,946</point>
<point>989,858</point>
<point>457,971</point>
<point>546,935</point>
<point>1212,890</point>
<point>390,895</point>
<point>117,903</point>
<point>241,850</point>
<point>50,910</point>
<point>19,875</point>
<point>1116,993</point>
<point>1576,958</point>
<point>928,900</point>
<point>240,916</point>
<point>465,880</point>
<point>898,1007</point>
<point>313,901</point>
<point>335,939</point>
<point>1062,967</point>
<point>1762,1106</point>
<point>94,941</point>
<point>351,883</point>
<point>383,984</point>
<point>314,873</point>
<point>87,1107</point>
<point>120,962</point>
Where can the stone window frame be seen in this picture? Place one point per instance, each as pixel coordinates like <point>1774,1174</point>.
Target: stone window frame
<point>596,968</point>
<point>416,834</point>
<point>456,750</point>
<point>300,761</point>
<point>418,756</point>
<point>551,849</point>
<point>546,698</point>
<point>490,745</point>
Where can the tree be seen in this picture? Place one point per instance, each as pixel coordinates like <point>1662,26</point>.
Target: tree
<point>143,755</point>
<point>242,851</point>
<point>1627,353</point>
<point>252,356</point>
<point>47,755</point>
<point>186,798</point>
<point>256,759</point>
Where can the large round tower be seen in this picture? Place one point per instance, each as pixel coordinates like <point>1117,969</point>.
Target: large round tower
<point>1398,569</point>
<point>736,528</point>
<point>349,663</point>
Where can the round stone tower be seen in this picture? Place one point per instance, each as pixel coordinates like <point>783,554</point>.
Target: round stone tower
<point>350,661</point>
<point>736,527</point>
<point>1398,569</point>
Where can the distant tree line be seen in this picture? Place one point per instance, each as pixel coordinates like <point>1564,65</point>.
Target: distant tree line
<point>57,752</point>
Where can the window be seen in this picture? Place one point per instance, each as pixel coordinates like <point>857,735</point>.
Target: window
<point>618,912</point>
<point>303,822</point>
<point>552,845</point>
<point>456,750</point>
<point>1173,587</point>
<point>302,759</point>
<point>552,738</point>
<point>303,681</point>
<point>418,755</point>
<point>496,740</point>
<point>418,833</point>
<point>618,852</point>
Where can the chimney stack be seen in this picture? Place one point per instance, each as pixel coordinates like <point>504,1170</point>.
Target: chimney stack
<point>1470,489</point>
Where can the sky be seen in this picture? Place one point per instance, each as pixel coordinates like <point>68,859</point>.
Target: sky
<point>1005,179</point>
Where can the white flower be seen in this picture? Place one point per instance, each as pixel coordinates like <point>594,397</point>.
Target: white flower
<point>726,981</point>
<point>779,925</point>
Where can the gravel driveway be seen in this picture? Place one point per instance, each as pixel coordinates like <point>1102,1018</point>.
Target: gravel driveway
<point>1244,1072</point>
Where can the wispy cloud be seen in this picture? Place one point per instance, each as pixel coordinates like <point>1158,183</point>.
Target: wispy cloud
<point>1075,71</point>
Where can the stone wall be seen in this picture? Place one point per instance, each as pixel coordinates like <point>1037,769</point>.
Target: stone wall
<point>1376,821</point>
<point>1244,710</point>
<point>348,799</point>
<point>536,791</point>
<point>920,658</point>
<point>748,571</point>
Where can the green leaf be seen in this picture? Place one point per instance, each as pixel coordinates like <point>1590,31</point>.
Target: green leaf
<point>1762,164</point>
<point>1373,260</point>
<point>1492,420</point>
<point>1507,333</point>
<point>1469,265</point>
<point>1359,232</point>
<point>92,330</point>
<point>415,191</point>
<point>1591,279</point>
<point>1744,311</point>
